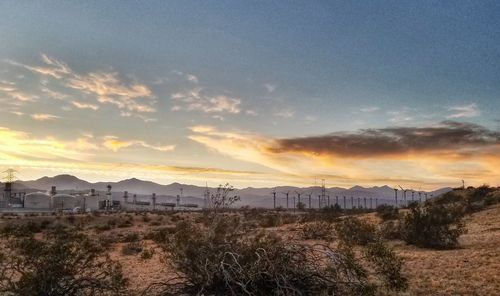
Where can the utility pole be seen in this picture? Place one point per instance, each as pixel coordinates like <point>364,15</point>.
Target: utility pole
<point>345,207</point>
<point>396,196</point>
<point>154,201</point>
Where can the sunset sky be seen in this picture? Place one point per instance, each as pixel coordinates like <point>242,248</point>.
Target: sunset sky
<point>254,93</point>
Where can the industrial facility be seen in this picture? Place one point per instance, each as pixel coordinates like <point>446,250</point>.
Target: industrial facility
<point>13,200</point>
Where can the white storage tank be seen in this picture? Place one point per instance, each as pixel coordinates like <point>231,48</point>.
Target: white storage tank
<point>37,200</point>
<point>64,202</point>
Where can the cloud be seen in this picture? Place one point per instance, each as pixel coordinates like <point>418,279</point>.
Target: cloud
<point>24,147</point>
<point>465,111</point>
<point>372,156</point>
<point>10,90</point>
<point>399,116</point>
<point>369,109</point>
<point>197,100</point>
<point>287,113</point>
<point>107,87</point>
<point>19,145</point>
<point>55,69</point>
<point>54,94</point>
<point>80,105</point>
<point>114,143</point>
<point>192,78</point>
<point>389,141</point>
<point>270,87</point>
<point>44,116</point>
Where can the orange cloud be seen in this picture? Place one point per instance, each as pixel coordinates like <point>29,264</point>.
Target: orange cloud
<point>437,155</point>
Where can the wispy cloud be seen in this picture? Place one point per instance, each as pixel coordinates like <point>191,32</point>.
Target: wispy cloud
<point>369,109</point>
<point>24,146</point>
<point>252,112</point>
<point>81,105</point>
<point>286,113</point>
<point>192,78</point>
<point>114,143</point>
<point>10,90</point>
<point>400,116</point>
<point>107,87</point>
<point>44,116</point>
<point>53,68</point>
<point>270,87</point>
<point>464,111</point>
<point>197,100</point>
<point>54,94</point>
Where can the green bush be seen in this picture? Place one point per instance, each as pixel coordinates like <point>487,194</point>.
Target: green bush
<point>433,226</point>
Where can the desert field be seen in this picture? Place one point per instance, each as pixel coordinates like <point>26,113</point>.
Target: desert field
<point>472,269</point>
<point>136,242</point>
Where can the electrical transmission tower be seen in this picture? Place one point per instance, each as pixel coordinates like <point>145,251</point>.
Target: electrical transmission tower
<point>10,175</point>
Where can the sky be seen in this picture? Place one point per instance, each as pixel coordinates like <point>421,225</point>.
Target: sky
<point>254,93</point>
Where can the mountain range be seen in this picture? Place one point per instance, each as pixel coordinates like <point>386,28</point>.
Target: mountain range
<point>255,197</point>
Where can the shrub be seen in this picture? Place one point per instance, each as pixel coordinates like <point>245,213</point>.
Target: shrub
<point>433,226</point>
<point>387,212</point>
<point>224,259</point>
<point>132,248</point>
<point>354,231</point>
<point>390,230</point>
<point>318,230</point>
<point>270,220</point>
<point>160,235</point>
<point>387,265</point>
<point>63,262</point>
<point>147,254</point>
<point>492,198</point>
<point>125,223</point>
<point>131,237</point>
<point>101,228</point>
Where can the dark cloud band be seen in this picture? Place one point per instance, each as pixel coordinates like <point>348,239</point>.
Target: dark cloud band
<point>448,135</point>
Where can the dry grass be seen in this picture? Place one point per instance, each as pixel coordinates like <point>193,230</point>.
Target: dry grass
<point>472,269</point>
